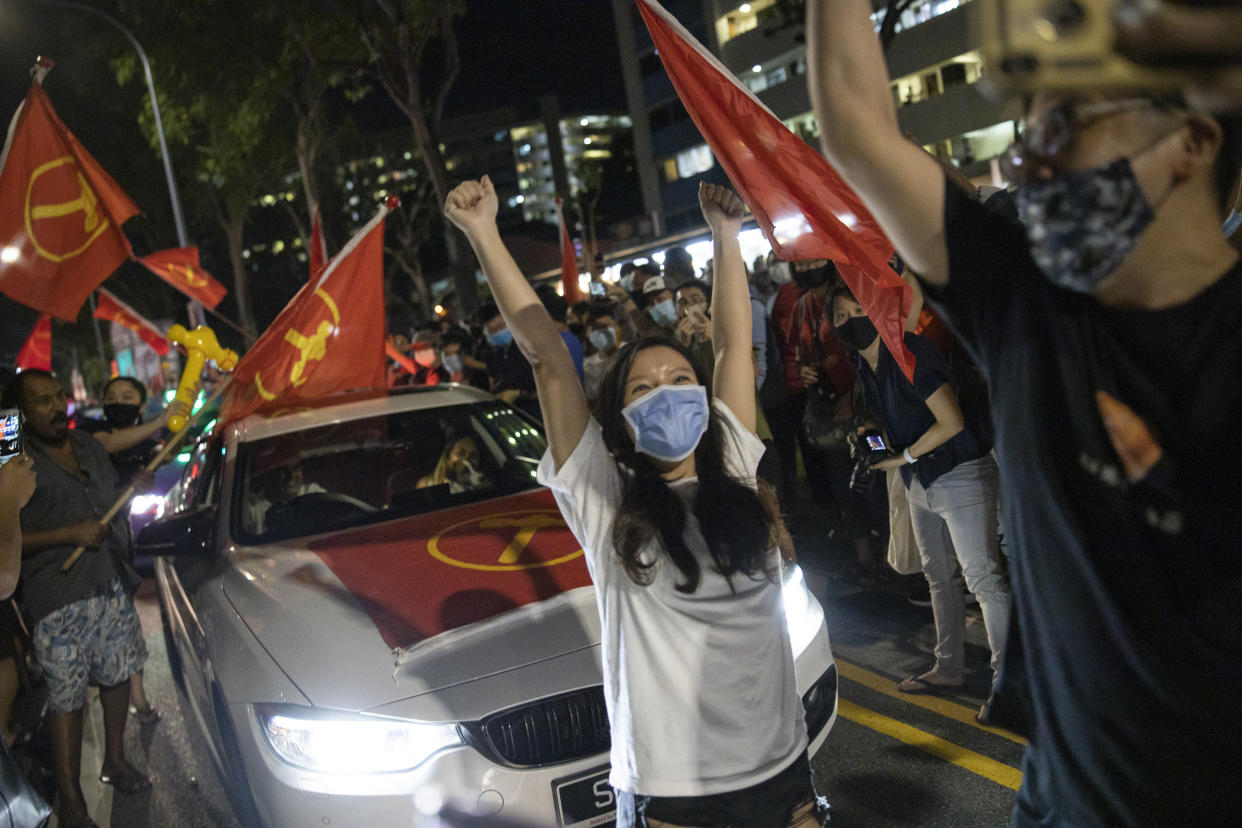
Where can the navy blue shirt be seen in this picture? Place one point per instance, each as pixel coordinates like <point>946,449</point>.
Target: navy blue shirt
<point>901,407</point>
<point>1117,441</point>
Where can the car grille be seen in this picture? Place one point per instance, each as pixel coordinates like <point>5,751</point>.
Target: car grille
<point>557,729</point>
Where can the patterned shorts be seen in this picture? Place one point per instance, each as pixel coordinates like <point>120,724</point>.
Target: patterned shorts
<point>97,638</point>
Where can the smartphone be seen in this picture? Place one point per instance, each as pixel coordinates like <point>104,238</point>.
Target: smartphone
<point>597,290</point>
<point>875,442</point>
<point>1029,45</point>
<point>11,443</point>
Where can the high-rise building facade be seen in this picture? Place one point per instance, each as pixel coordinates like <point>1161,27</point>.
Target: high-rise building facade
<point>933,61</point>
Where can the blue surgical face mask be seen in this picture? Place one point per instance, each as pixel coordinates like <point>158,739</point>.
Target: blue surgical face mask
<point>501,338</point>
<point>453,363</point>
<point>663,313</point>
<point>669,421</point>
<point>603,338</point>
<point>1232,223</point>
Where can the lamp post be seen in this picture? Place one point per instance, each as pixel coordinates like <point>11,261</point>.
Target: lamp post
<point>195,309</point>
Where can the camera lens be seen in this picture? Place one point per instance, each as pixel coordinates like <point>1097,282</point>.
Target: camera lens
<point>1067,17</point>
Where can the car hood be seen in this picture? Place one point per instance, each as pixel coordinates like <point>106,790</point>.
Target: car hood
<point>364,617</point>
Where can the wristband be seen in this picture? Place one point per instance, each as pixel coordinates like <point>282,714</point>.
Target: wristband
<point>905,452</point>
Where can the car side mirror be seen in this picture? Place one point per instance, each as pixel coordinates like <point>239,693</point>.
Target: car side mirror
<point>185,533</point>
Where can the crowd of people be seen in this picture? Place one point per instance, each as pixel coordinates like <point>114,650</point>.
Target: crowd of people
<point>1074,392</point>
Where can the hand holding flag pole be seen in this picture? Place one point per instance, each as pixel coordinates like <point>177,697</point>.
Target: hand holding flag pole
<point>201,345</point>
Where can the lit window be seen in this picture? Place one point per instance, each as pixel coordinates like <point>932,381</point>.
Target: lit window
<point>741,20</point>
<point>694,161</point>
<point>268,200</point>
<point>278,247</point>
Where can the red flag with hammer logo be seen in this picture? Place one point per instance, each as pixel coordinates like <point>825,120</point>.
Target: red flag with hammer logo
<point>37,352</point>
<point>180,268</point>
<point>328,339</point>
<point>801,203</point>
<point>114,310</point>
<point>60,214</point>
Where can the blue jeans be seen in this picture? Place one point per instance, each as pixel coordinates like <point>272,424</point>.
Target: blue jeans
<point>955,524</point>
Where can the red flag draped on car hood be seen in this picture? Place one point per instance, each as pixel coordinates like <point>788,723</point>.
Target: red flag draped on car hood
<point>328,339</point>
<point>569,260</point>
<point>37,352</point>
<point>421,576</point>
<point>180,268</point>
<point>60,214</point>
<point>114,310</point>
<point>802,205</point>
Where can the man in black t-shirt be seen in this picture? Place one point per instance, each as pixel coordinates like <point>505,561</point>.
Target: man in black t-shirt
<point>1109,326</point>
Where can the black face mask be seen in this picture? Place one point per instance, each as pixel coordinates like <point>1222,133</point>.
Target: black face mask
<point>121,415</point>
<point>813,278</point>
<point>856,333</point>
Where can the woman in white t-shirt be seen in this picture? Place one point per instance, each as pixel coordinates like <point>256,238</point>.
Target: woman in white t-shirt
<point>707,725</point>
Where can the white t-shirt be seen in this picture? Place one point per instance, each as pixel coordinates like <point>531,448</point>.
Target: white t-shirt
<point>700,687</point>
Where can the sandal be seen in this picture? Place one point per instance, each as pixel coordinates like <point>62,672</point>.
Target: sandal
<point>145,715</point>
<point>915,685</point>
<point>128,781</point>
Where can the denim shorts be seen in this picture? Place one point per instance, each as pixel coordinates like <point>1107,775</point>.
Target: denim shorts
<point>97,638</point>
<point>769,804</point>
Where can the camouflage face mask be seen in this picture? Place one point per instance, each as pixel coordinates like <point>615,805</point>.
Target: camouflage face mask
<point>1081,227</point>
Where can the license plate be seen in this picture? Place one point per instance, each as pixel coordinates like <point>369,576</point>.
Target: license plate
<point>585,800</point>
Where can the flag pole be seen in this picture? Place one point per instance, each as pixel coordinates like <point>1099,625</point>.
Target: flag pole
<point>98,337</point>
<point>173,442</point>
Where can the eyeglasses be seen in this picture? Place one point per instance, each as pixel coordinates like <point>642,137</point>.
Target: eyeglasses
<point>1055,135</point>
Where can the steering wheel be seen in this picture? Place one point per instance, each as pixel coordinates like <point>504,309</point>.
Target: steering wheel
<point>315,511</point>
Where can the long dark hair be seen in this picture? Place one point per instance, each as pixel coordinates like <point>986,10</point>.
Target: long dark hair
<point>737,525</point>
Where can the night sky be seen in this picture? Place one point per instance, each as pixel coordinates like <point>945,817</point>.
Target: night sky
<point>512,53</point>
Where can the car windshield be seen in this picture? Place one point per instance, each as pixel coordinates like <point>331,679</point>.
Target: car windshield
<point>379,468</point>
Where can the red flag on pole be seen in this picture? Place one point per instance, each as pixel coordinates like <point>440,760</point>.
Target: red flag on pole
<point>180,268</point>
<point>328,339</point>
<point>37,352</point>
<point>114,310</point>
<point>569,259</point>
<point>318,248</point>
<point>60,214</point>
<point>802,205</point>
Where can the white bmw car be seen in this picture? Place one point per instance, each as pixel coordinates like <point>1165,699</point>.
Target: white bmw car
<point>373,608</point>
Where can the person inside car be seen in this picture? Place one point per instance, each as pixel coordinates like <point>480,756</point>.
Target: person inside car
<point>460,468</point>
<point>707,725</point>
<point>278,488</point>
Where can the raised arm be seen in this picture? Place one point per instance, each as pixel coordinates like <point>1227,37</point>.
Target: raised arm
<point>472,207</point>
<point>123,438</point>
<point>900,184</point>
<point>734,380</point>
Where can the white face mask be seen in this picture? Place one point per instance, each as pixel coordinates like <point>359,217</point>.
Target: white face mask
<point>603,338</point>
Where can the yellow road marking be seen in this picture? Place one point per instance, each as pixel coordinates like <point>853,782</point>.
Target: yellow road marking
<point>977,763</point>
<point>936,704</point>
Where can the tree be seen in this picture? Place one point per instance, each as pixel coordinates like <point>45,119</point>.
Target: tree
<point>412,54</point>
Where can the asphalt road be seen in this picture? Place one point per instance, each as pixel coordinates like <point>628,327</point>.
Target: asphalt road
<point>890,760</point>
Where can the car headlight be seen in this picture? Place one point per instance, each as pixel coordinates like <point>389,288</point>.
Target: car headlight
<point>146,503</point>
<point>803,615</point>
<point>332,742</point>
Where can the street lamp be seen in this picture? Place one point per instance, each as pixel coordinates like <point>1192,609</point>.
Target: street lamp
<point>173,195</point>
<point>196,313</point>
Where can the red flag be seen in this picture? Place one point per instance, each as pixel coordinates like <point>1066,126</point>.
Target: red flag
<point>60,214</point>
<point>318,248</point>
<point>37,352</point>
<point>802,205</point>
<point>114,310</point>
<point>180,268</point>
<point>569,260</point>
<point>328,339</point>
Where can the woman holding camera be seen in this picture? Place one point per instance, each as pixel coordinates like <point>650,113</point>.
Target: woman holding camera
<point>952,488</point>
<point>698,671</point>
